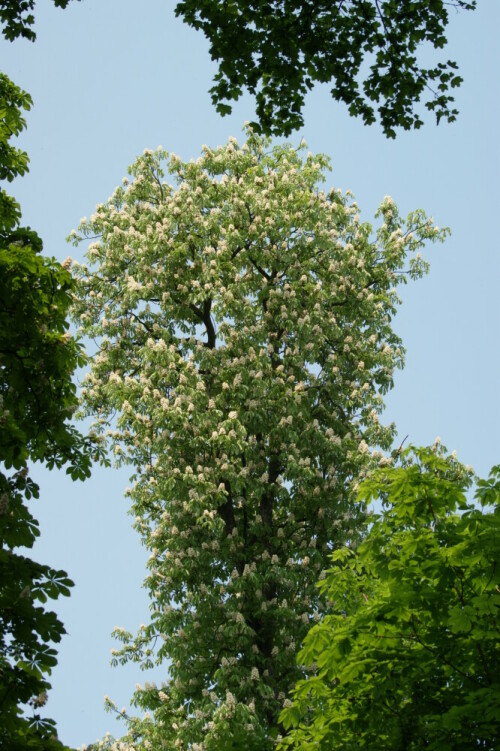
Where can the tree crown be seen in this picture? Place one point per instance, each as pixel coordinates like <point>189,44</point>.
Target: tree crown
<point>242,318</point>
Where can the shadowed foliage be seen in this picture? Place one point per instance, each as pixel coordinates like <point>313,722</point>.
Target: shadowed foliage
<point>370,51</point>
<point>18,19</point>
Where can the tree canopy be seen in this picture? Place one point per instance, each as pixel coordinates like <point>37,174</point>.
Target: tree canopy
<point>37,397</point>
<point>407,657</point>
<point>243,320</point>
<point>369,49</point>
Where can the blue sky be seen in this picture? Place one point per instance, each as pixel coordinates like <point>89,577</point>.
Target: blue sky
<point>111,78</point>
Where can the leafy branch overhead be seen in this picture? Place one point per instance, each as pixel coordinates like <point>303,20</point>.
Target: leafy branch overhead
<point>18,19</point>
<point>368,49</point>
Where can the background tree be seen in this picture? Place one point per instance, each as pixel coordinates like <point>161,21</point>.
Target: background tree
<point>17,18</point>
<point>407,657</point>
<point>278,50</point>
<point>37,397</point>
<point>243,321</point>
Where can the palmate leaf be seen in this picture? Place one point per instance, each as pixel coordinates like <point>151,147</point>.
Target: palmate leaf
<point>58,583</point>
<point>355,668</point>
<point>43,660</point>
<point>459,620</point>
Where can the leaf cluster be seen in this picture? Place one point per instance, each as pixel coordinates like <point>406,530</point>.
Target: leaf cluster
<point>369,49</point>
<point>18,19</point>
<point>27,630</point>
<point>13,161</point>
<point>408,655</point>
<point>38,357</point>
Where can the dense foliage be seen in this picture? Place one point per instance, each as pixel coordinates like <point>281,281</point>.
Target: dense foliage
<point>37,397</point>
<point>369,49</point>
<point>243,319</point>
<point>18,19</point>
<point>408,655</point>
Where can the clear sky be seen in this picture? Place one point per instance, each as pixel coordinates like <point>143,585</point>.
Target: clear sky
<point>112,77</point>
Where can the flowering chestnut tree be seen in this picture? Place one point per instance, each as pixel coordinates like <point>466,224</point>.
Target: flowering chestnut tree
<point>243,322</point>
